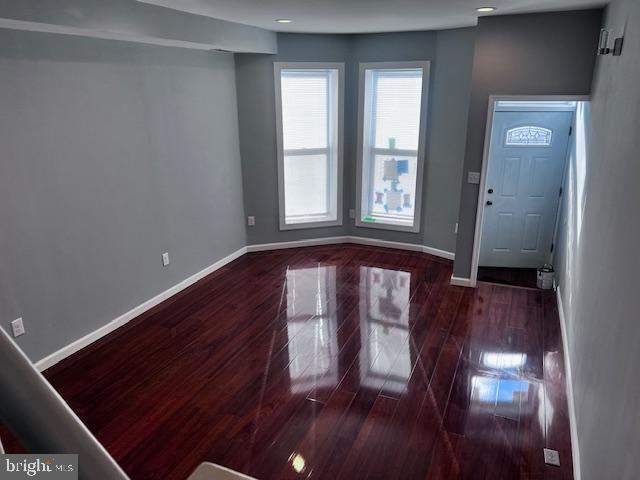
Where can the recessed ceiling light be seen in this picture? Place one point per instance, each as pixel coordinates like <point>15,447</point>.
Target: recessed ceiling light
<point>486,9</point>
<point>283,20</point>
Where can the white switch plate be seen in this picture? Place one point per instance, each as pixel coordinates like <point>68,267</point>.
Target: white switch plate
<point>165,259</point>
<point>251,221</point>
<point>352,213</point>
<point>456,229</point>
<point>17,327</point>
<point>551,457</point>
<point>473,177</point>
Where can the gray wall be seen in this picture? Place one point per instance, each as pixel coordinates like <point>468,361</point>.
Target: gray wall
<point>451,54</point>
<point>112,153</point>
<point>600,297</point>
<point>257,124</point>
<point>536,54</point>
<point>572,202</point>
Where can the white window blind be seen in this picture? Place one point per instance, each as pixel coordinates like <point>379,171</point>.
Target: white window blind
<point>308,121</point>
<point>391,133</point>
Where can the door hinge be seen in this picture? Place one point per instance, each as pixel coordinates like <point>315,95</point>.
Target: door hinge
<point>552,245</point>
<point>570,130</point>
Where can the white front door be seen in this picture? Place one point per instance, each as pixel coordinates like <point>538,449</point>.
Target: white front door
<point>526,164</point>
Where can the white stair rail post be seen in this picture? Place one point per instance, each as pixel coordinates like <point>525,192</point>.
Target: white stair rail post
<point>42,420</point>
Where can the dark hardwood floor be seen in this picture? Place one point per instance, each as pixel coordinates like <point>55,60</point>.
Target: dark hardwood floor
<point>331,362</point>
<point>517,277</point>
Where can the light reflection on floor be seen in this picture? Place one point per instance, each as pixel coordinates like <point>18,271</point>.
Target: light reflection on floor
<point>385,359</point>
<point>384,329</point>
<point>311,328</point>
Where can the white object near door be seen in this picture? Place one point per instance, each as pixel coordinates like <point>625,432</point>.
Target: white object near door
<point>544,280</point>
<point>526,165</point>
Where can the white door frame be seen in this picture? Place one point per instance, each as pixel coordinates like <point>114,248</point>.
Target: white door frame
<point>493,99</point>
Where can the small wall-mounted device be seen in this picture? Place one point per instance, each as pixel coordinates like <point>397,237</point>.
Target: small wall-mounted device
<point>603,49</point>
<point>617,46</point>
<point>17,327</point>
<point>603,44</point>
<point>473,177</point>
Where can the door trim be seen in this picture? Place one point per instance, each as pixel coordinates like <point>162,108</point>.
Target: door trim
<point>493,99</point>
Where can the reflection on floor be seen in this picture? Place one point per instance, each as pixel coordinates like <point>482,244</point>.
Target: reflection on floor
<point>517,277</point>
<point>331,362</point>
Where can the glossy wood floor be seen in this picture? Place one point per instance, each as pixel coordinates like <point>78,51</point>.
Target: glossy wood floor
<point>331,362</point>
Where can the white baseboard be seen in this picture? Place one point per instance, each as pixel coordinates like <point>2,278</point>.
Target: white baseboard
<point>439,253</point>
<point>297,243</point>
<point>91,337</point>
<point>374,242</point>
<point>573,426</point>
<point>460,281</point>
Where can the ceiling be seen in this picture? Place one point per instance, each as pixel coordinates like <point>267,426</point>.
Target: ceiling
<point>362,16</point>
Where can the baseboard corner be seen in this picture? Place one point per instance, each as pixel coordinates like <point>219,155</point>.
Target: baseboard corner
<point>461,281</point>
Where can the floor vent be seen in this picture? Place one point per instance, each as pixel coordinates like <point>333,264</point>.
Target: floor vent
<point>551,457</point>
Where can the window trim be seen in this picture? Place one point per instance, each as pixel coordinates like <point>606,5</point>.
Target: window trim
<point>425,66</point>
<point>277,69</point>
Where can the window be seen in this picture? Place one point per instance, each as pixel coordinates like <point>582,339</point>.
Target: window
<point>309,106</point>
<point>391,144</point>
<point>529,136</point>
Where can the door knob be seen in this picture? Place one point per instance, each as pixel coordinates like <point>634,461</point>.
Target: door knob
<point>491,190</point>
<point>489,202</point>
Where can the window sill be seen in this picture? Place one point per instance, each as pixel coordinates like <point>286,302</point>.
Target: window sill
<point>315,223</point>
<point>385,224</point>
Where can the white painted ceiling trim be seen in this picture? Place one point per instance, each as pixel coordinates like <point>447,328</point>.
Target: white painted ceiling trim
<point>363,16</point>
<point>132,21</point>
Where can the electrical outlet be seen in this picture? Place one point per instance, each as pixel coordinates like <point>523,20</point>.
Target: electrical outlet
<point>165,259</point>
<point>17,326</point>
<point>352,213</point>
<point>473,177</point>
<point>251,221</point>
<point>551,457</point>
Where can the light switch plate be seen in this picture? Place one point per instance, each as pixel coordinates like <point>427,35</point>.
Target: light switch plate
<point>551,457</point>
<point>473,177</point>
<point>165,259</point>
<point>17,327</point>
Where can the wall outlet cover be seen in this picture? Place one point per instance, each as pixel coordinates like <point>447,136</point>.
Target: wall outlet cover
<point>17,327</point>
<point>251,220</point>
<point>165,259</point>
<point>352,213</point>
<point>473,177</point>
